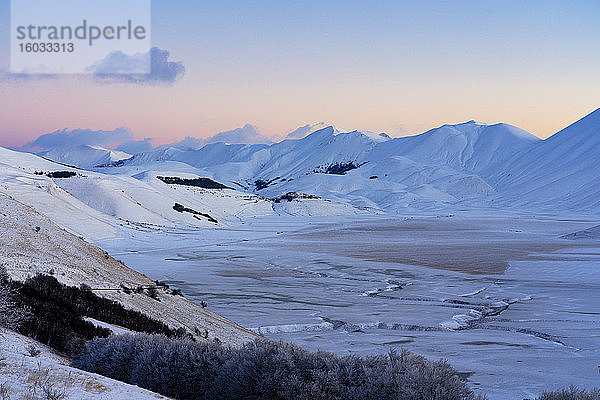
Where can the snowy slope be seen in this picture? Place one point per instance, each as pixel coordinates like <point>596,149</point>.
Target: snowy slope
<point>289,157</point>
<point>469,146</point>
<point>27,377</point>
<point>107,202</point>
<point>562,172</point>
<point>85,156</point>
<point>19,179</point>
<point>211,154</point>
<point>30,243</point>
<point>132,197</point>
<point>592,233</point>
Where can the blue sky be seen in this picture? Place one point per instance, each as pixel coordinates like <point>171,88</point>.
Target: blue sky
<point>395,66</point>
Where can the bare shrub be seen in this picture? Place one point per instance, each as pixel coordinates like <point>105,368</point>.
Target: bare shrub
<point>43,385</point>
<point>153,293</point>
<point>4,391</point>
<point>572,393</point>
<point>57,314</point>
<point>267,370</point>
<point>33,351</point>
<point>50,392</point>
<point>11,314</point>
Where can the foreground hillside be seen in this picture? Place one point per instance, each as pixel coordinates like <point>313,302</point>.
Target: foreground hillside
<point>31,243</point>
<point>30,370</point>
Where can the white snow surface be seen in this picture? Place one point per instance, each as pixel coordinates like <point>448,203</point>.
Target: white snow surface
<point>25,376</point>
<point>562,172</point>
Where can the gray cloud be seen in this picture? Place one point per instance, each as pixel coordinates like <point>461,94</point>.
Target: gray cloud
<point>188,143</point>
<point>120,67</point>
<point>306,130</point>
<point>69,138</point>
<point>247,134</point>
<point>121,139</point>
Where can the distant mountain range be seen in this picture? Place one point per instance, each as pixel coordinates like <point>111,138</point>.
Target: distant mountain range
<point>332,172</point>
<point>498,164</point>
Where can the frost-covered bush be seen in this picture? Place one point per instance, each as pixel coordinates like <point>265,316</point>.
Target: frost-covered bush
<point>572,393</point>
<point>266,370</point>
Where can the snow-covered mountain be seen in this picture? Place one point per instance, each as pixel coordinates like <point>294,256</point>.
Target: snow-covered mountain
<point>246,163</point>
<point>469,146</point>
<point>441,166</point>
<point>561,172</point>
<point>85,156</point>
<point>469,163</point>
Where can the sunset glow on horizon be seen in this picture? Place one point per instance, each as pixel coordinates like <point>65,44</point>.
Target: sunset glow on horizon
<point>395,67</point>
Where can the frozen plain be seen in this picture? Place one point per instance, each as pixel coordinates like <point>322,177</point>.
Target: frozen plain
<point>506,300</point>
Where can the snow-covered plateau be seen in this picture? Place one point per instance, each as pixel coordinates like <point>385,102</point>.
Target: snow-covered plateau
<point>474,243</point>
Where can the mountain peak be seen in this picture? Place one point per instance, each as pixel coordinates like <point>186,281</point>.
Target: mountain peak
<point>377,138</point>
<point>327,131</point>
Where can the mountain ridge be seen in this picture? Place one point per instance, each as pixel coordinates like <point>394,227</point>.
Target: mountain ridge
<point>498,165</point>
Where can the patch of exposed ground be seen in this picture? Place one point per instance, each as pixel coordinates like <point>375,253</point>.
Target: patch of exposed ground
<point>436,243</point>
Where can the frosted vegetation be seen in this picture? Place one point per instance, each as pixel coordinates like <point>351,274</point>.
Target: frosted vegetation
<point>185,369</point>
<point>571,394</point>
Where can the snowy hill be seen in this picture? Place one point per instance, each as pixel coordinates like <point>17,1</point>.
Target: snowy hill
<point>562,172</point>
<point>110,201</point>
<point>85,156</point>
<point>134,197</point>
<point>211,154</point>
<point>592,233</point>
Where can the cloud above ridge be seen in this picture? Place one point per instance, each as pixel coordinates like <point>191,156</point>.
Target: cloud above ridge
<point>120,67</point>
<point>76,137</point>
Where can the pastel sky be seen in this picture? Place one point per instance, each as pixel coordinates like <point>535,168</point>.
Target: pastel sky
<point>401,67</point>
